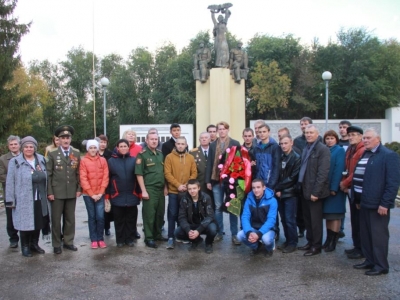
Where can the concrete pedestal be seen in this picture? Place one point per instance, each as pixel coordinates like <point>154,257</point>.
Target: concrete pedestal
<point>221,99</point>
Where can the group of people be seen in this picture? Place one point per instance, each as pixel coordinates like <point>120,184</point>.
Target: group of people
<point>303,180</point>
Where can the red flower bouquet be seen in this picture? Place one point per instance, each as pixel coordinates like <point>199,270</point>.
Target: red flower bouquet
<point>236,177</point>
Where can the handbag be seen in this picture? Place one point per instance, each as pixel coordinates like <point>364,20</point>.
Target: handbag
<point>107,205</point>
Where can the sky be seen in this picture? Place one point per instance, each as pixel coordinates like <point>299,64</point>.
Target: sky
<point>119,26</point>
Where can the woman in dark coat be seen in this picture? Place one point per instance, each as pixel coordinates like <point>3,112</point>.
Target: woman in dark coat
<point>26,192</point>
<point>334,207</point>
<point>124,192</point>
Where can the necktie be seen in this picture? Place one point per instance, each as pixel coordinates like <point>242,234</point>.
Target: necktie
<point>205,154</point>
<point>66,153</point>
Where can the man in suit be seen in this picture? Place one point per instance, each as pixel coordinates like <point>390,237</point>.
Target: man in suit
<point>168,146</point>
<point>63,188</point>
<point>314,181</point>
<point>14,147</point>
<point>376,182</point>
<point>212,180</point>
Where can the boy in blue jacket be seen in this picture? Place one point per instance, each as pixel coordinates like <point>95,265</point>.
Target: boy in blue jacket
<point>258,218</point>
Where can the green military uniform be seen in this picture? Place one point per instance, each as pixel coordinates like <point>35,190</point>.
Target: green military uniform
<point>63,183</point>
<point>150,165</point>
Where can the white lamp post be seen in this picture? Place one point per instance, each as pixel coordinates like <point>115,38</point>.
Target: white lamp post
<point>326,76</point>
<point>104,83</point>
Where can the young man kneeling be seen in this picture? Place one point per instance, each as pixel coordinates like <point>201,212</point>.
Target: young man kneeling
<point>258,218</point>
<point>196,217</point>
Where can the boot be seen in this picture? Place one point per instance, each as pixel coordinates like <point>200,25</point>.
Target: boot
<point>328,238</point>
<point>34,245</point>
<point>25,236</point>
<point>332,246</point>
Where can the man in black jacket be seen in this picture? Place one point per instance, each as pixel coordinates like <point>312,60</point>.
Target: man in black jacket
<point>168,146</point>
<point>314,180</point>
<point>286,192</point>
<point>196,217</point>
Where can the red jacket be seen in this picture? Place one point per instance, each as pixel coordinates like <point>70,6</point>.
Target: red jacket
<point>134,149</point>
<point>351,163</point>
<point>93,173</point>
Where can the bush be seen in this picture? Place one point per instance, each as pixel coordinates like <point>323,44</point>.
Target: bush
<point>394,146</point>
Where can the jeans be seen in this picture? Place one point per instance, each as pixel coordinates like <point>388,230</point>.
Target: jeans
<point>218,192</point>
<point>288,211</point>
<point>172,214</point>
<point>210,232</point>
<point>268,240</point>
<point>95,212</point>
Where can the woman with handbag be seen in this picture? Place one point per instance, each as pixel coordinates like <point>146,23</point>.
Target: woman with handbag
<point>93,173</point>
<point>26,192</point>
<point>124,192</point>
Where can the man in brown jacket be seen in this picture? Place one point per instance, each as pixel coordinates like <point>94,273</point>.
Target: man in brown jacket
<point>179,167</point>
<point>14,147</point>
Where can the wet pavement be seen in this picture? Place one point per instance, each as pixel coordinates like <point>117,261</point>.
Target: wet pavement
<point>228,273</point>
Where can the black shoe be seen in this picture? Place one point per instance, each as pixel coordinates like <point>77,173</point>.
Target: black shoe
<point>70,247</point>
<point>301,233</point>
<point>195,243</point>
<point>57,250</point>
<point>364,265</point>
<point>120,245</point>
<point>313,251</point>
<point>349,251</point>
<point>36,248</point>
<point>355,255</point>
<point>107,232</point>
<point>209,249</point>
<point>282,246</point>
<point>305,247</point>
<point>269,253</point>
<point>26,251</point>
<point>13,244</point>
<point>341,234</point>
<point>289,249</point>
<point>130,244</point>
<point>277,236</point>
<point>374,272</point>
<point>162,239</point>
<point>137,235</point>
<point>151,244</point>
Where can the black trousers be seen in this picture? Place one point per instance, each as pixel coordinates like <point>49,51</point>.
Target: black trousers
<point>299,216</point>
<point>125,223</point>
<point>11,231</point>
<point>355,226</point>
<point>210,232</point>
<point>312,212</point>
<point>374,234</point>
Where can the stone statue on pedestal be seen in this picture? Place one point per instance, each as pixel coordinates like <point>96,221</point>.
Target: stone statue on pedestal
<point>238,63</point>
<point>219,31</point>
<point>201,60</point>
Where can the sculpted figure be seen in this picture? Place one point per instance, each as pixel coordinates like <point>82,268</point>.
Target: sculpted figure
<point>238,63</point>
<point>219,31</point>
<point>201,60</point>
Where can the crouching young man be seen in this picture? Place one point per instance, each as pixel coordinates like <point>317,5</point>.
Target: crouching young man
<point>258,218</point>
<point>196,217</point>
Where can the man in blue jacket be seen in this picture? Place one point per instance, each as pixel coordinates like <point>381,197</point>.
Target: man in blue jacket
<point>258,218</point>
<point>376,182</point>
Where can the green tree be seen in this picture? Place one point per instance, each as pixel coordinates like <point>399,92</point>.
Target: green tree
<point>11,33</point>
<point>270,87</point>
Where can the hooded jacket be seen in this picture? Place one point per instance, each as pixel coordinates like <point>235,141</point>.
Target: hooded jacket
<point>267,163</point>
<point>259,216</point>
<point>178,169</point>
<point>93,173</point>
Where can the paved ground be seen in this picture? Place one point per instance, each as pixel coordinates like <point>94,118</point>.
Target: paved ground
<point>228,273</point>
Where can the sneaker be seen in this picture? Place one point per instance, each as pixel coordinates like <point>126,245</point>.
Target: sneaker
<point>236,241</point>
<point>218,238</point>
<point>102,244</point>
<point>209,249</point>
<point>94,245</point>
<point>13,244</point>
<point>171,243</point>
<point>182,241</point>
<point>282,246</point>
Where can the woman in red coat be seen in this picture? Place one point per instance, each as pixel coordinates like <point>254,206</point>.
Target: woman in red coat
<point>93,172</point>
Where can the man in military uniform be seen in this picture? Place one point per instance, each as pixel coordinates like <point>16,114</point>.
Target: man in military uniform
<point>238,61</point>
<point>150,175</point>
<point>201,60</point>
<point>63,188</point>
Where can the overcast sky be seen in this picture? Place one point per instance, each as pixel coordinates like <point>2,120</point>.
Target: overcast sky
<point>119,26</point>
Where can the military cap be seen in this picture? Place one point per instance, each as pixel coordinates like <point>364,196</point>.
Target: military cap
<point>354,129</point>
<point>64,130</point>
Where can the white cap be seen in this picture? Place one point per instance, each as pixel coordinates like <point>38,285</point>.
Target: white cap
<point>92,143</point>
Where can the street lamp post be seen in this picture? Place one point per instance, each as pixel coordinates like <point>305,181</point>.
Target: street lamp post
<point>326,76</point>
<point>104,83</point>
